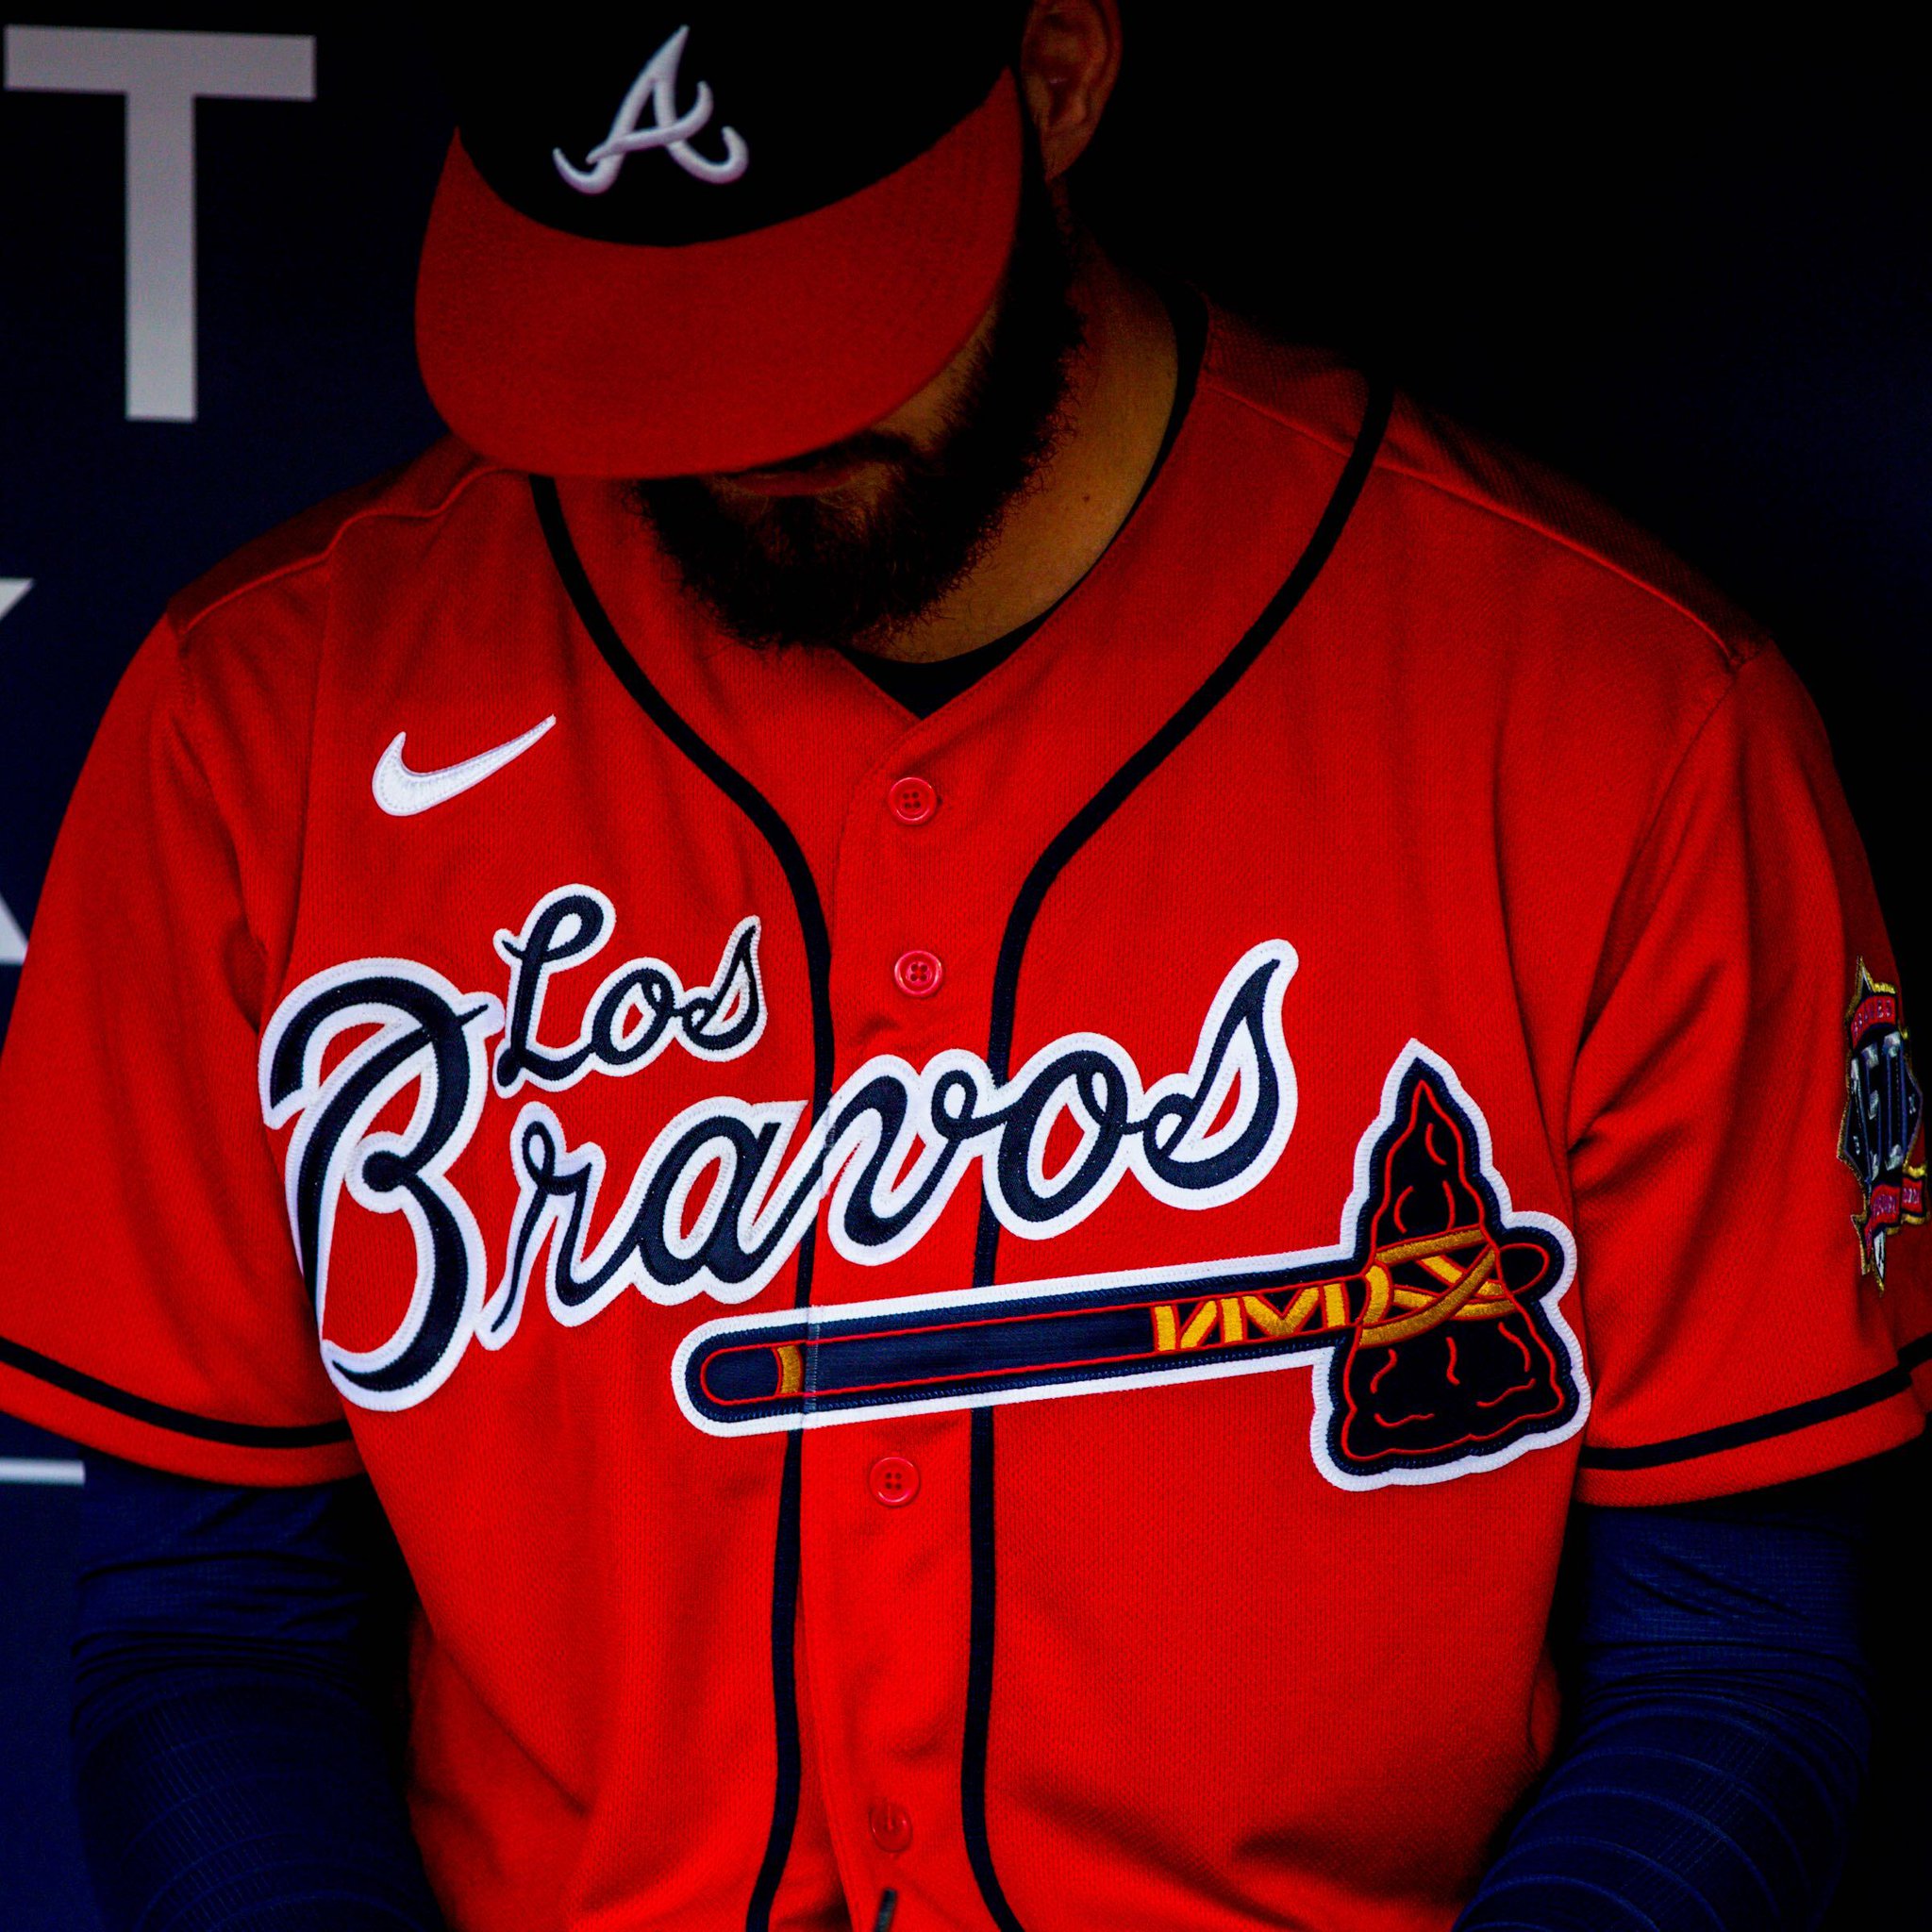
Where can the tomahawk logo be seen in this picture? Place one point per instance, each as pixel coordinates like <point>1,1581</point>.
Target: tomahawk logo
<point>656,87</point>
<point>1432,1325</point>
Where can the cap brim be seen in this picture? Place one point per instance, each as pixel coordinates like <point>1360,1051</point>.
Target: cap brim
<point>570,357</point>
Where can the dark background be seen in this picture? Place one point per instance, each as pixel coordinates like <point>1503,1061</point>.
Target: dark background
<point>1695,277</point>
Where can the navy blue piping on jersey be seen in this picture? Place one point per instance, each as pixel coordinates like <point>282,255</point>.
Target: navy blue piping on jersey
<point>1019,928</point>
<point>1762,1428</point>
<point>159,1415</point>
<point>817,965</point>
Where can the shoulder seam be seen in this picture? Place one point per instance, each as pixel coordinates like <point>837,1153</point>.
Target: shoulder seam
<point>1734,655</point>
<point>322,553</point>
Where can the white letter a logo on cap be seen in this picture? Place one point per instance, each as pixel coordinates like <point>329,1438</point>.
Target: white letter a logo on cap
<point>669,130</point>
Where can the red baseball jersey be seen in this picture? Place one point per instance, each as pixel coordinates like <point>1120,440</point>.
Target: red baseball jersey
<point>1005,1306</point>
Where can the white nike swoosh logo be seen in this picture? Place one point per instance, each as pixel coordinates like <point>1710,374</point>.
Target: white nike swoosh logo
<point>402,792</point>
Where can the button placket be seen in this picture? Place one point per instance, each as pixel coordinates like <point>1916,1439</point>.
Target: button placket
<point>877,1544</point>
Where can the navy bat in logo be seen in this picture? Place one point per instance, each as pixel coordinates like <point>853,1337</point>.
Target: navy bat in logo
<point>1432,1325</point>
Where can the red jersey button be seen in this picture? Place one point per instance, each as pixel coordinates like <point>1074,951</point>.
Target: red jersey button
<point>913,801</point>
<point>919,974</point>
<point>891,1826</point>
<point>894,1480</point>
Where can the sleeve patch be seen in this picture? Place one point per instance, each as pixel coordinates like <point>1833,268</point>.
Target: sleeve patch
<point>1882,1136</point>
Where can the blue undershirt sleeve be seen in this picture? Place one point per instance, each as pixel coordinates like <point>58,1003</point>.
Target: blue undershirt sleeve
<point>237,1712</point>
<point>1719,1723</point>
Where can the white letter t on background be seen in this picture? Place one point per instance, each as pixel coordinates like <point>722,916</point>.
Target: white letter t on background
<point>160,76</point>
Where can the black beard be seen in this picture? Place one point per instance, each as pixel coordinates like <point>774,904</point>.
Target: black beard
<point>810,571</point>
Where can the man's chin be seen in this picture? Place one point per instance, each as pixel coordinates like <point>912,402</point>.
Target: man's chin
<point>839,546</point>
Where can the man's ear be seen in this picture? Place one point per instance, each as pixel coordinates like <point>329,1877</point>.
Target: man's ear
<point>1070,56</point>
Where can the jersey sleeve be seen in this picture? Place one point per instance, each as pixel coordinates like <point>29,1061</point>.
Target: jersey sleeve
<point>150,1304</point>
<point>1739,1327</point>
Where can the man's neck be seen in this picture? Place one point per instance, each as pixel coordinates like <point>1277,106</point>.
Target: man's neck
<point>1120,392</point>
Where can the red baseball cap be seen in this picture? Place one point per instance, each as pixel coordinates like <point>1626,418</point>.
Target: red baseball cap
<point>712,238</point>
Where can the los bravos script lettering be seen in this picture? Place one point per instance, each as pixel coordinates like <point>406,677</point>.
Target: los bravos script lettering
<point>720,1200</point>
